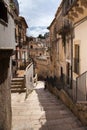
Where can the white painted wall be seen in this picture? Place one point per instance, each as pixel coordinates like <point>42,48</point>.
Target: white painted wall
<point>81,35</point>
<point>7,34</point>
<point>29,78</point>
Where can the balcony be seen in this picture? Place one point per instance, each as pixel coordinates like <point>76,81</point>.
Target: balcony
<point>65,28</point>
<point>67,5</point>
<point>75,11</point>
<point>59,23</point>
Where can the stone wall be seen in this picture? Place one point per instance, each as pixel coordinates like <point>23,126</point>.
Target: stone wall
<point>42,68</point>
<point>5,95</point>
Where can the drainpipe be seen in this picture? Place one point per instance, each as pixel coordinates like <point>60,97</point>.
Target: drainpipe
<point>71,58</point>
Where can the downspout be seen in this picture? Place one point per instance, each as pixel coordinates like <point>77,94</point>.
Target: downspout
<point>71,58</point>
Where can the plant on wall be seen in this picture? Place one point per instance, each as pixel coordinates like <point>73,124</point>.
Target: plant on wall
<point>12,6</point>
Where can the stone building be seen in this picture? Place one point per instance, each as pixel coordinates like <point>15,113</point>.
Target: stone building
<point>68,47</point>
<point>7,45</point>
<point>57,51</point>
<point>35,49</point>
<point>39,53</point>
<point>21,56</point>
<point>77,13</point>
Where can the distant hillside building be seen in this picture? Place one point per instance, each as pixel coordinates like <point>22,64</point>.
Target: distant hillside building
<point>39,52</point>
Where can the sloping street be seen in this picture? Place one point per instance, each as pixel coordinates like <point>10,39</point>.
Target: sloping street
<point>42,111</point>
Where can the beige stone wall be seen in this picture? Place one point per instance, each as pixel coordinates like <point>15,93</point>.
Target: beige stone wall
<point>35,50</point>
<point>42,68</point>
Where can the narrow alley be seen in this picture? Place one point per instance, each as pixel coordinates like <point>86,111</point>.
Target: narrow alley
<point>42,111</point>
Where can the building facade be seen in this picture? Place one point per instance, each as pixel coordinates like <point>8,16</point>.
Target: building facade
<point>7,45</point>
<point>77,13</point>
<point>21,55</point>
<point>68,43</point>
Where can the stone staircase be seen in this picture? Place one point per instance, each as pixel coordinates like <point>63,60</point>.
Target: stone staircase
<point>17,85</point>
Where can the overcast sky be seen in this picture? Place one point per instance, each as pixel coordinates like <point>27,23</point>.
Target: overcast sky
<point>38,14</point>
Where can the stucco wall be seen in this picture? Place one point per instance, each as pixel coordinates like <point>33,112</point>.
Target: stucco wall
<point>81,36</point>
<point>5,95</point>
<point>7,34</point>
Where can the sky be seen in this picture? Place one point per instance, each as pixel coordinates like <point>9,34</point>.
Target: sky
<point>38,14</point>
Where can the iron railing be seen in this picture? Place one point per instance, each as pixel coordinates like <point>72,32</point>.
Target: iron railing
<point>81,87</point>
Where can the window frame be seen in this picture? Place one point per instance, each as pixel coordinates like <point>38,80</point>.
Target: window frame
<point>4,15</point>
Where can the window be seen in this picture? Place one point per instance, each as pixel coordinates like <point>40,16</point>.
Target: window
<point>61,76</point>
<point>72,1</point>
<point>3,12</point>
<point>76,59</point>
<point>31,47</point>
<point>40,54</point>
<point>15,36</point>
<point>30,79</point>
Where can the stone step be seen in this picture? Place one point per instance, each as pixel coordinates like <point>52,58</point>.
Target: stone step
<point>17,83</point>
<point>80,128</point>
<point>18,90</point>
<point>17,86</point>
<point>17,79</point>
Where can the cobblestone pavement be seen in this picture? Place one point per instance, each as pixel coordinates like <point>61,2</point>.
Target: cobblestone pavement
<point>41,111</point>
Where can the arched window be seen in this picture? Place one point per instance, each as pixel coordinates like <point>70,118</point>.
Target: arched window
<point>3,12</point>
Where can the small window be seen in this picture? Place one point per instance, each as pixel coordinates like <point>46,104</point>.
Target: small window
<point>3,12</point>
<point>31,47</point>
<point>72,1</point>
<point>15,36</point>
<point>40,54</point>
<point>30,79</point>
<point>76,59</point>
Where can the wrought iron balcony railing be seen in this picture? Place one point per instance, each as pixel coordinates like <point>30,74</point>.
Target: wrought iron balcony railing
<point>65,27</point>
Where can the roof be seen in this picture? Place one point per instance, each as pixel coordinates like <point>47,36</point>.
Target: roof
<point>51,23</point>
<point>23,19</point>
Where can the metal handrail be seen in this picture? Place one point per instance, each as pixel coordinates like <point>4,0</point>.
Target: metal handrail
<point>81,87</point>
<point>81,75</point>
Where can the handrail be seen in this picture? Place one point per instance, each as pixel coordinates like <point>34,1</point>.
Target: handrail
<point>81,87</point>
<point>81,75</point>
<point>28,66</point>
